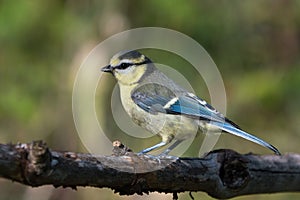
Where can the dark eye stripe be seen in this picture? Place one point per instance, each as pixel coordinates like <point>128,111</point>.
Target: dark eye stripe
<point>126,65</point>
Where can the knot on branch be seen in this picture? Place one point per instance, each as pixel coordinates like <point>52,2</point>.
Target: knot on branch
<point>234,171</point>
<point>36,160</point>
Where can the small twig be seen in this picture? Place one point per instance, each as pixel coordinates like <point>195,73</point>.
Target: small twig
<point>191,195</point>
<point>175,196</point>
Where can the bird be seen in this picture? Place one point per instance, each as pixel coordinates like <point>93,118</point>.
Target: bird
<point>150,97</point>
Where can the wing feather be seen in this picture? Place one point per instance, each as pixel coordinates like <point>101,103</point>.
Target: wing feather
<point>155,98</point>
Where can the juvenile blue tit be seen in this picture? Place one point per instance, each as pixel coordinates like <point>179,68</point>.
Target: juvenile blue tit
<point>149,97</point>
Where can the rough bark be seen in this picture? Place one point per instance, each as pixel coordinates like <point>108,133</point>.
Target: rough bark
<point>222,173</point>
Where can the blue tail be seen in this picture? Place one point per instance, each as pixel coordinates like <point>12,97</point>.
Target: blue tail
<point>238,132</point>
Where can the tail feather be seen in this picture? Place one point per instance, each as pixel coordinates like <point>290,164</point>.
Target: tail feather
<point>238,132</point>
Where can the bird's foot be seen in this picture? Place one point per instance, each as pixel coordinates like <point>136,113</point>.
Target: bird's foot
<point>148,156</point>
<point>166,156</point>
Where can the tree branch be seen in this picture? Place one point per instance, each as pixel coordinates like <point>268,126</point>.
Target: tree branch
<point>222,173</point>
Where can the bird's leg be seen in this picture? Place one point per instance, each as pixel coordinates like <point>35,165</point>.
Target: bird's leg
<point>170,148</point>
<point>153,147</point>
<point>165,140</point>
<point>145,151</point>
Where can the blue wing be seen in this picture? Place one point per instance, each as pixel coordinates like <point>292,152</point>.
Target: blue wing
<point>154,98</point>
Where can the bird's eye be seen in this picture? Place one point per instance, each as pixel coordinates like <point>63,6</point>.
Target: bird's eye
<point>124,65</point>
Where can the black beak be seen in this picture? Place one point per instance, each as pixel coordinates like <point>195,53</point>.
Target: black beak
<point>107,68</point>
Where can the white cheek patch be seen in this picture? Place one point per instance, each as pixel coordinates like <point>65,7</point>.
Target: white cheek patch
<point>130,75</point>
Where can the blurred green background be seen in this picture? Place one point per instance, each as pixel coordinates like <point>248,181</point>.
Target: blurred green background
<point>255,44</point>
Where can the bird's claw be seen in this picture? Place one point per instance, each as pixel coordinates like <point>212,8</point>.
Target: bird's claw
<point>166,156</point>
<point>158,157</point>
<point>152,157</point>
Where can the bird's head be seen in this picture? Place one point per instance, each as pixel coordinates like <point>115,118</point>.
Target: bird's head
<point>129,67</point>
